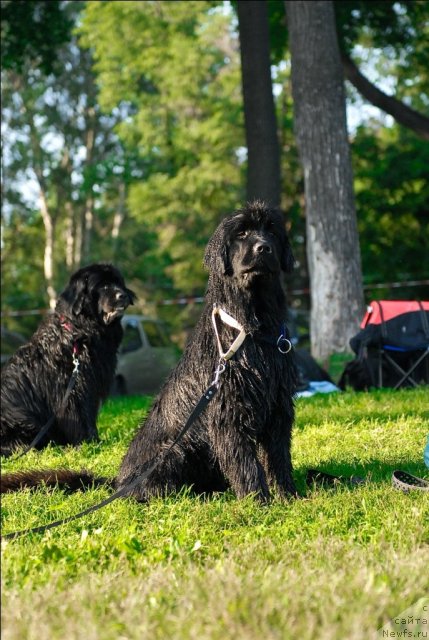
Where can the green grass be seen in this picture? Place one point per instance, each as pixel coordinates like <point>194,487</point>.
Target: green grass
<point>337,564</point>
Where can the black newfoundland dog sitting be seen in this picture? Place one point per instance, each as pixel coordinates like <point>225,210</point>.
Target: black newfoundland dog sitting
<point>85,328</point>
<point>242,439</point>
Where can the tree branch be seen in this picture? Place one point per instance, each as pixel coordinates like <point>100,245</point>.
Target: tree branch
<point>403,114</point>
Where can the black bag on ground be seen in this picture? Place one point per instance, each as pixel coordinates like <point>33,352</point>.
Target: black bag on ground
<point>360,373</point>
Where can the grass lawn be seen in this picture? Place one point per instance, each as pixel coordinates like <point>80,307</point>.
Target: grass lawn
<point>336,565</point>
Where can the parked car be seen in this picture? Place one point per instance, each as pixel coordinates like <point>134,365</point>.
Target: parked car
<point>146,356</point>
<point>10,342</point>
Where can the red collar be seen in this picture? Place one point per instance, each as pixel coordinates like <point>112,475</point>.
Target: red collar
<point>69,326</point>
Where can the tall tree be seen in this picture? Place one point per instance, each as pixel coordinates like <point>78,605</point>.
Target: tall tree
<point>321,131</point>
<point>186,123</point>
<point>263,159</point>
<point>58,140</point>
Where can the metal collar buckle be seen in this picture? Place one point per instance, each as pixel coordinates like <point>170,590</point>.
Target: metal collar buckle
<point>283,344</point>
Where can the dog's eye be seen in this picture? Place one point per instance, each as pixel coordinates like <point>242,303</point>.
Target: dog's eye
<point>242,234</point>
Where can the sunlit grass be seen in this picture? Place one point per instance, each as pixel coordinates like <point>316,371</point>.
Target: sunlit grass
<point>336,564</point>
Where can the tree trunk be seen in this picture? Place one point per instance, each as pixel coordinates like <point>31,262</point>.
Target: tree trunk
<point>69,235</point>
<point>49,219</point>
<point>118,218</point>
<point>263,156</point>
<point>320,126</point>
<point>89,201</point>
<point>48,262</point>
<point>78,239</point>
<point>88,225</point>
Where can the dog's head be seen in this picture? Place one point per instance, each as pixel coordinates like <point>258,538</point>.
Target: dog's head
<point>97,291</point>
<point>251,244</point>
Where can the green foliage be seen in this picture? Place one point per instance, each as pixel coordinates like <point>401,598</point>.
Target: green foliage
<point>392,194</point>
<point>22,284</point>
<point>334,565</point>
<point>382,24</point>
<point>168,157</point>
<point>60,145</point>
<point>180,74</point>
<point>394,36</point>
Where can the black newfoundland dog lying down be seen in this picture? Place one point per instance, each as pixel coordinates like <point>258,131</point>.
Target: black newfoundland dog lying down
<point>85,327</point>
<point>242,440</point>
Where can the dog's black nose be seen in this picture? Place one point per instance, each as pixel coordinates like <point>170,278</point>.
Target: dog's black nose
<point>262,247</point>
<point>122,297</point>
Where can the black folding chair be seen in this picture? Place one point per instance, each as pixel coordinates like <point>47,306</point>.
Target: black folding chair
<point>396,333</point>
<point>411,367</point>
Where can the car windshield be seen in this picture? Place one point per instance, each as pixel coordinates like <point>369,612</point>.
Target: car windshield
<point>132,339</point>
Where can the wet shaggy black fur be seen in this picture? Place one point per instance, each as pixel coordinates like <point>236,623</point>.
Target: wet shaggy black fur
<point>35,379</point>
<point>243,438</point>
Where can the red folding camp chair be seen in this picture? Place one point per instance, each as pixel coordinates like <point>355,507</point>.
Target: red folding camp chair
<point>398,330</point>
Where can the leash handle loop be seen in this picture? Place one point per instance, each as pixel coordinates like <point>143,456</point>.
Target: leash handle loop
<point>232,322</point>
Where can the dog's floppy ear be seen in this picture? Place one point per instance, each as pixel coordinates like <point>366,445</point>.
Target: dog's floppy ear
<point>287,260</point>
<point>76,294</point>
<point>216,257</point>
<point>131,295</point>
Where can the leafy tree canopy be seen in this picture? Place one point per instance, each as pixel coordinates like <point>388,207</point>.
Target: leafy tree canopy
<point>169,87</point>
<point>175,67</point>
<point>392,195</point>
<point>394,34</point>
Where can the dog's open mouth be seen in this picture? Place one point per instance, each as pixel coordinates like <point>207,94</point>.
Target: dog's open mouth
<point>257,270</point>
<point>111,315</point>
<point>260,266</point>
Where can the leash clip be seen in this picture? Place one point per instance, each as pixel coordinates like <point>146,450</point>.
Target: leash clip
<point>218,372</point>
<point>76,362</point>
